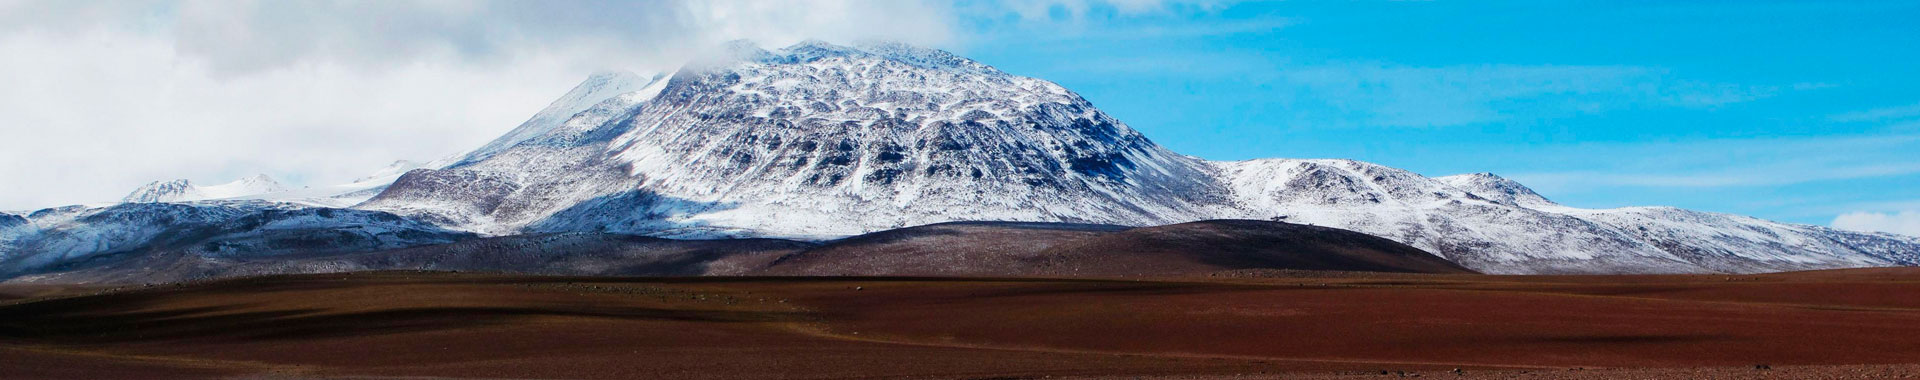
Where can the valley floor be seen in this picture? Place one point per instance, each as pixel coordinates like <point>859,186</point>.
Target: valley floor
<point>1827,324</point>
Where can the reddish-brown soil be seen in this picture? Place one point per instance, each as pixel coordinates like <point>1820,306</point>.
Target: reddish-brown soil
<point>1834,324</point>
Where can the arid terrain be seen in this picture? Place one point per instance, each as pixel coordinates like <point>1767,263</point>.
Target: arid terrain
<point>1245,324</point>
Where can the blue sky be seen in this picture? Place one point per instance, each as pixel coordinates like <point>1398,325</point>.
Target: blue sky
<point>1793,111</point>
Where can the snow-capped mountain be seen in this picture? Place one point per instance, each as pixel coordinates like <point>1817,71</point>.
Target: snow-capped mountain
<point>264,188</point>
<point>818,140</point>
<point>181,190</point>
<point>253,217</point>
<point>815,140</point>
<point>1496,225</point>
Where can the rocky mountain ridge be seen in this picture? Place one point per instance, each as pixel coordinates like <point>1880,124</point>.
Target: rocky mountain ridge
<point>818,141</point>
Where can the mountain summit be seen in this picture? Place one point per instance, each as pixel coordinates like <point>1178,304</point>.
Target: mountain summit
<point>181,190</point>
<point>818,140</point>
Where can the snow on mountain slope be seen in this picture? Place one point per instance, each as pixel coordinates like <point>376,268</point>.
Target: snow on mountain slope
<point>1497,189</point>
<point>819,132</point>
<point>1496,225</point>
<point>181,190</point>
<point>12,228</point>
<point>254,216</point>
<point>824,141</point>
<point>74,236</point>
<point>264,188</point>
<point>390,172</point>
<point>11,220</point>
<point>346,194</point>
<point>1733,243</point>
<point>1475,231</point>
<point>818,140</point>
<point>595,90</point>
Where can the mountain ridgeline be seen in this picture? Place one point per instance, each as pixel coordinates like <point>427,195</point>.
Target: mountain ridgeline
<point>818,142</point>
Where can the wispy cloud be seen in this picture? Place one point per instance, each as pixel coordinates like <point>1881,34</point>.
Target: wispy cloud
<point>1734,163</point>
<point>1376,94</point>
<point>119,93</point>
<point>1765,175</point>
<point>1107,21</point>
<point>1076,10</point>
<point>1904,222</point>
<point>1879,114</point>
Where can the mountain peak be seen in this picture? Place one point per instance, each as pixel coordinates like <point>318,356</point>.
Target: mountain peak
<point>809,51</point>
<point>1496,188</point>
<point>259,180</point>
<point>810,131</point>
<point>158,191</point>
<point>9,220</point>
<point>181,190</point>
<point>597,88</point>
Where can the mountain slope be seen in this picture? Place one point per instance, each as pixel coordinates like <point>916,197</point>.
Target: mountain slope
<point>1497,189</point>
<point>806,142</point>
<point>11,220</point>
<point>578,254</point>
<point>823,141</point>
<point>68,238</point>
<point>1496,225</point>
<point>595,90</point>
<point>818,141</point>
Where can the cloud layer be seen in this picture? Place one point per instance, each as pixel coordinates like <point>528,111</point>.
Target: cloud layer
<point>101,97</point>
<point>1904,222</point>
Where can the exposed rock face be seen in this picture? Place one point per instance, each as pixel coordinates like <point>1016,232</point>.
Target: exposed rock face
<point>817,140</point>
<point>11,220</point>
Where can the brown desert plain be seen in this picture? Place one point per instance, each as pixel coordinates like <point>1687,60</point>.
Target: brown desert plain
<point>1227,325</point>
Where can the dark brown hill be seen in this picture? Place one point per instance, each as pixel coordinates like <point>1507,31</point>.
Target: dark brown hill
<point>1222,245</point>
<point>944,249</point>
<point>1055,249</point>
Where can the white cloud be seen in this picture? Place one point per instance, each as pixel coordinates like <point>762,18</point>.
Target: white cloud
<point>1879,114</point>
<point>1904,222</point>
<point>1756,175</point>
<point>1727,162</point>
<point>1393,95</point>
<point>1069,10</point>
<point>101,97</point>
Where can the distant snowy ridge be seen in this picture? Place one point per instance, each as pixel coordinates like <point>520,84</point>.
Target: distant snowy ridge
<point>181,190</point>
<point>263,188</point>
<point>66,236</point>
<point>596,89</point>
<point>1496,225</point>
